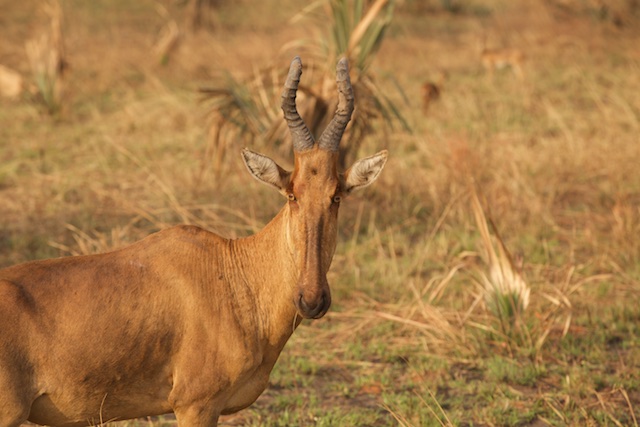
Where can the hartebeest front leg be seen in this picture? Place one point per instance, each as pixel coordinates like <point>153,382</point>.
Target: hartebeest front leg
<point>197,416</point>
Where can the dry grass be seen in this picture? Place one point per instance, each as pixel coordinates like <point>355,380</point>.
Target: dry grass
<point>409,340</point>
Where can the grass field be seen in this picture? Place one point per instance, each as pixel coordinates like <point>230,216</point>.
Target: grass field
<point>554,160</point>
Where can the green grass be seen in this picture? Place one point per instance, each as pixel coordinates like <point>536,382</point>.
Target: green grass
<point>409,340</point>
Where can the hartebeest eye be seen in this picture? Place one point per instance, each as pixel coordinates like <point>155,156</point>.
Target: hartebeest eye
<point>336,199</point>
<point>291,197</point>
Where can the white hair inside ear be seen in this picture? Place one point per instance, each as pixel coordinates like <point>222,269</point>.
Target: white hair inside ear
<point>265,170</point>
<point>364,171</point>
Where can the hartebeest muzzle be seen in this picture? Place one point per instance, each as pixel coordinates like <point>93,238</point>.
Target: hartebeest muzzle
<point>309,311</point>
<point>313,305</point>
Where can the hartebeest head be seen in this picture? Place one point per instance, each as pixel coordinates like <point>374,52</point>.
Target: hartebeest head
<point>314,189</point>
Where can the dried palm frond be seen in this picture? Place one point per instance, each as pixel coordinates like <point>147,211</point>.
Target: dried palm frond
<point>240,111</point>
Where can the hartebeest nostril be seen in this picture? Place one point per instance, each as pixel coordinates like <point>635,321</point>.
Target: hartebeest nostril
<point>314,311</point>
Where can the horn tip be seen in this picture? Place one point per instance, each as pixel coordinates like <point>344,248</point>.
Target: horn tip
<point>295,71</point>
<point>296,63</point>
<point>342,70</point>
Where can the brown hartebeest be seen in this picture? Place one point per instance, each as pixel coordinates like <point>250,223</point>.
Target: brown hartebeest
<point>431,91</point>
<point>498,59</point>
<point>182,321</point>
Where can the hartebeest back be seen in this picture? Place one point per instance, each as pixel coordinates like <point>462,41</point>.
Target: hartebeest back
<point>183,321</point>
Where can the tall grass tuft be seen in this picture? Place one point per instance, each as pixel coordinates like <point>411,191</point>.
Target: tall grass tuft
<point>506,293</point>
<point>47,59</point>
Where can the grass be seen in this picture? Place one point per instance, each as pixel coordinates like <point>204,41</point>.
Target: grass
<point>409,340</point>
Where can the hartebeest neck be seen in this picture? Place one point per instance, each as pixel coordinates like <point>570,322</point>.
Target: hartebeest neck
<point>272,274</point>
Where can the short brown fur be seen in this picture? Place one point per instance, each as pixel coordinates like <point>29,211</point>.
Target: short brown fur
<point>184,320</point>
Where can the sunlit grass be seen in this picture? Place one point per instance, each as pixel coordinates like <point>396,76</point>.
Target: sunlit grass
<point>426,327</point>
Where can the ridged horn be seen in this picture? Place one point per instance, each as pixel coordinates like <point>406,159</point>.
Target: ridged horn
<point>302,138</point>
<point>330,138</point>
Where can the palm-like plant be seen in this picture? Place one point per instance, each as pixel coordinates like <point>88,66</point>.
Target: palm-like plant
<point>239,111</point>
<point>251,108</point>
<point>357,32</point>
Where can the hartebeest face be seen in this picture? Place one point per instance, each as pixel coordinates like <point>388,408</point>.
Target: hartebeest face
<point>314,190</point>
<point>314,198</point>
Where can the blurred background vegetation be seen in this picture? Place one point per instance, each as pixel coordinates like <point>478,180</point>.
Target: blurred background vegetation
<point>492,275</point>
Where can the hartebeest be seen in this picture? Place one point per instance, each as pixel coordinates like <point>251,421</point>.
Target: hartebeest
<point>182,321</point>
<point>431,91</point>
<point>498,59</point>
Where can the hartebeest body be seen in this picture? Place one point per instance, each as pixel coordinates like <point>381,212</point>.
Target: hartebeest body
<point>183,321</point>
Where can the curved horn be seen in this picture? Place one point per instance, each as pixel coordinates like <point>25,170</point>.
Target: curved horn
<point>302,138</point>
<point>330,139</point>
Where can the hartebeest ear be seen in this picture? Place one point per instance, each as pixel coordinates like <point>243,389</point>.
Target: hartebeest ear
<point>266,170</point>
<point>364,171</point>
